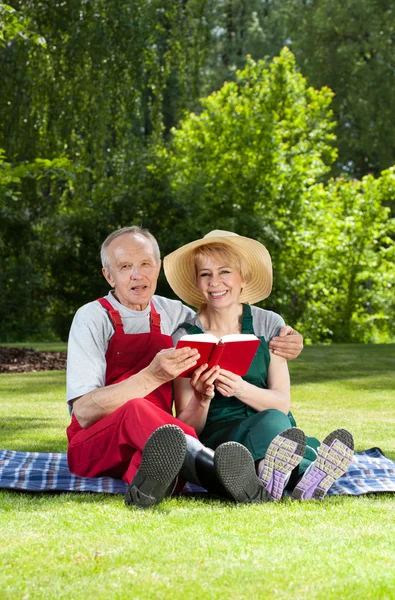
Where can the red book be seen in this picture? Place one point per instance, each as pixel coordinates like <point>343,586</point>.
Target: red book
<point>233,352</point>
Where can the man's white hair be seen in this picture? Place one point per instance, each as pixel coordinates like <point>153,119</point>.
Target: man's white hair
<point>134,230</point>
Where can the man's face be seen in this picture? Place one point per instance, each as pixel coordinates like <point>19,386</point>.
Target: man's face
<point>134,270</point>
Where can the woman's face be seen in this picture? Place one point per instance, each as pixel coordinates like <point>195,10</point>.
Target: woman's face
<point>219,283</point>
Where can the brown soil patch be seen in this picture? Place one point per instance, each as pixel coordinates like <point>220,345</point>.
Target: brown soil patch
<point>23,360</point>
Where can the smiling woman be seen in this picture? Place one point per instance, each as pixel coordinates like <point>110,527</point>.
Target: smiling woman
<point>221,274</point>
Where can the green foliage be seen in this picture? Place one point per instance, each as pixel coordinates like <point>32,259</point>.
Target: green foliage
<point>97,95</point>
<point>91,91</point>
<point>349,46</point>
<point>260,142</point>
<point>24,249</point>
<point>251,162</point>
<point>343,263</point>
<point>14,25</point>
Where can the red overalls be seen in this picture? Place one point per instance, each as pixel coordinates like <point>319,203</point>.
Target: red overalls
<point>113,445</point>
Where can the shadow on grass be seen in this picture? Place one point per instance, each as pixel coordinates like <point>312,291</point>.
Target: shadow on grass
<point>35,501</point>
<point>32,383</point>
<point>341,362</point>
<point>25,423</point>
<point>21,427</point>
<point>52,445</point>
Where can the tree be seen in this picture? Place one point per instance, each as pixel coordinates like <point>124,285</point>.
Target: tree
<point>94,88</point>
<point>95,93</point>
<point>246,161</point>
<point>348,46</point>
<point>345,262</point>
<point>252,162</point>
<point>23,305</point>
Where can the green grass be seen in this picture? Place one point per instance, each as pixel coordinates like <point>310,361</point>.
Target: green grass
<point>43,346</point>
<point>82,546</point>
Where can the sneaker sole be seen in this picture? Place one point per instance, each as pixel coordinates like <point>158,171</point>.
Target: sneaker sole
<point>283,455</point>
<point>235,469</point>
<point>161,462</point>
<point>334,457</point>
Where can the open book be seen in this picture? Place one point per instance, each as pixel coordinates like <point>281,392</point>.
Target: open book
<point>233,352</point>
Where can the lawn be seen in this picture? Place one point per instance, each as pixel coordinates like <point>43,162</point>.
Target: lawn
<point>84,545</point>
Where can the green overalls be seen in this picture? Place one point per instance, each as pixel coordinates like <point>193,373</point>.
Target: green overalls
<point>229,419</point>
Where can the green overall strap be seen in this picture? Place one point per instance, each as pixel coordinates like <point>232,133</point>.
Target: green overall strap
<point>191,329</point>
<point>246,322</point>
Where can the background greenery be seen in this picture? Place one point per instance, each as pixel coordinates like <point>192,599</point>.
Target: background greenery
<point>89,545</point>
<point>270,118</point>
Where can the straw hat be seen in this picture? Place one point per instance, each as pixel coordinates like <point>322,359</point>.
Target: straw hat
<point>180,269</point>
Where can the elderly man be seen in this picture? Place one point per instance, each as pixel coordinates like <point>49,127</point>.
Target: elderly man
<point>119,386</point>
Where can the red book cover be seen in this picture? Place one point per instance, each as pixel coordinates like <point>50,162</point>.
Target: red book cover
<point>232,352</point>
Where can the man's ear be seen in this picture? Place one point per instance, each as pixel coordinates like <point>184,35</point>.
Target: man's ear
<point>107,276</point>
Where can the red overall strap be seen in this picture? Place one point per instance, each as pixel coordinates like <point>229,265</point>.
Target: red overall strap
<point>114,315</point>
<point>117,320</point>
<point>154,318</point>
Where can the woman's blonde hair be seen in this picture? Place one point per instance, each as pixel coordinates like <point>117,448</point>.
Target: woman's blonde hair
<point>228,256</point>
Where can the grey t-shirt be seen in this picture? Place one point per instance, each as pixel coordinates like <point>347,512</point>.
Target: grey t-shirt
<point>265,323</point>
<point>92,329</point>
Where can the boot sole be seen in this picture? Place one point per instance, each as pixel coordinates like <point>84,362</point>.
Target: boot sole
<point>161,462</point>
<point>283,455</point>
<point>235,469</point>
<point>334,457</point>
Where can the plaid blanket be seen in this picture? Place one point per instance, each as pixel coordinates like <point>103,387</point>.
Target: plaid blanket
<point>370,472</point>
<point>48,472</point>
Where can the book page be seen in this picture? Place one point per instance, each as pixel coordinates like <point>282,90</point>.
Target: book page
<point>199,337</point>
<point>238,337</point>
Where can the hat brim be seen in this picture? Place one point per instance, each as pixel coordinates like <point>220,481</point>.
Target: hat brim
<point>180,273</point>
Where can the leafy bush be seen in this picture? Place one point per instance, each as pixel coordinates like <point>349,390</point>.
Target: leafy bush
<point>252,162</point>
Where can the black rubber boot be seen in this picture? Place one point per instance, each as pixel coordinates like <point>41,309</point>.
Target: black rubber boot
<point>162,459</point>
<point>229,473</point>
<point>206,473</point>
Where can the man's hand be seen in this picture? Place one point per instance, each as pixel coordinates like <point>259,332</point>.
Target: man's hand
<point>289,344</point>
<point>170,363</point>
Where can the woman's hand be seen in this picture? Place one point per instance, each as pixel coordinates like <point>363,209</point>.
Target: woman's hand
<point>202,382</point>
<point>228,384</point>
